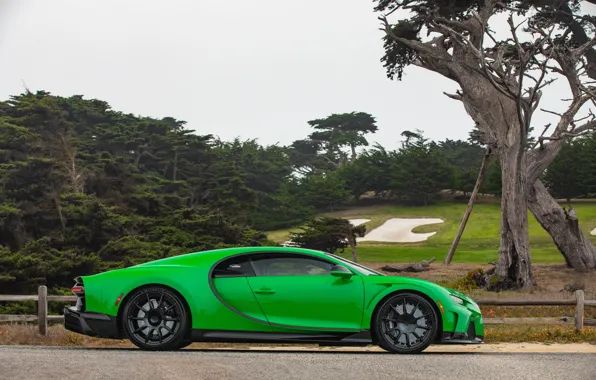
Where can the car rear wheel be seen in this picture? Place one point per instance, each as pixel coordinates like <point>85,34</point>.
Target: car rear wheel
<point>155,319</point>
<point>406,323</point>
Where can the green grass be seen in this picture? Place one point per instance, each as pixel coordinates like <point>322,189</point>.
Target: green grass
<point>478,244</point>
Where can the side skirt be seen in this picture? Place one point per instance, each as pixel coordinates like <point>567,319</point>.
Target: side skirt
<point>361,338</point>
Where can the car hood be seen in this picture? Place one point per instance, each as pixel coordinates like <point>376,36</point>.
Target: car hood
<point>390,280</point>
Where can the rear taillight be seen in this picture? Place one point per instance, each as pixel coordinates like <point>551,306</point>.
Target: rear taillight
<point>78,290</point>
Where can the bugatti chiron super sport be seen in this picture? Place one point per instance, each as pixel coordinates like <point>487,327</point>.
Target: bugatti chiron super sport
<point>267,295</point>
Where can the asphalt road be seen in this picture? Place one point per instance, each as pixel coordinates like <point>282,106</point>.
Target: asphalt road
<point>45,363</point>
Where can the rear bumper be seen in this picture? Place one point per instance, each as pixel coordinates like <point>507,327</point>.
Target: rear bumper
<point>91,324</point>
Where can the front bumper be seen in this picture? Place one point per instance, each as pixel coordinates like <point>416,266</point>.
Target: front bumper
<point>91,324</point>
<point>469,337</point>
<point>462,324</point>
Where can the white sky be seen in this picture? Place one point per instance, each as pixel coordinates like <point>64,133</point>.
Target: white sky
<point>252,69</point>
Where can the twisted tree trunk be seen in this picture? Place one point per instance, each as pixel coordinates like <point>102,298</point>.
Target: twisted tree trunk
<point>514,266</point>
<point>563,227</point>
<point>497,116</point>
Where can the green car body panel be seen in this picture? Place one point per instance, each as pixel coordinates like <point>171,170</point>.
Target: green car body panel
<point>305,304</point>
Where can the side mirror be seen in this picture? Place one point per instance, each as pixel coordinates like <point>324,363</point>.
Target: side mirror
<point>341,271</point>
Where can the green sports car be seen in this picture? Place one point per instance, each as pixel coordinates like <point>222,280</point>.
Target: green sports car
<point>269,294</point>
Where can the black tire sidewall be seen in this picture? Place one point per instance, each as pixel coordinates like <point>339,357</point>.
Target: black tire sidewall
<point>181,335</point>
<point>389,346</point>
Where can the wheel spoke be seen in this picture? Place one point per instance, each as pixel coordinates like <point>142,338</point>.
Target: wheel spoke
<point>141,308</point>
<point>149,302</point>
<point>160,336</point>
<point>408,340</point>
<point>138,330</point>
<point>396,340</point>
<point>416,334</point>
<point>168,329</point>
<point>415,308</point>
<point>172,319</point>
<point>136,318</point>
<point>422,316</point>
<point>160,301</point>
<point>169,308</point>
<point>423,327</point>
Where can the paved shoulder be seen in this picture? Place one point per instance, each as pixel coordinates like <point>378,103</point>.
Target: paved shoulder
<point>107,364</point>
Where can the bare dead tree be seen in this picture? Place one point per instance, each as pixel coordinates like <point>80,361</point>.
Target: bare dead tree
<point>76,174</point>
<point>501,84</point>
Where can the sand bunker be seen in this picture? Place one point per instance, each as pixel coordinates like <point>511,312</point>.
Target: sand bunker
<point>593,231</point>
<point>399,230</point>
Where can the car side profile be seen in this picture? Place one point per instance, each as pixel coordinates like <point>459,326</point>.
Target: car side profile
<point>268,295</point>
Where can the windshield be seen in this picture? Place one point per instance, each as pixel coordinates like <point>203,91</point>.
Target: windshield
<point>364,270</point>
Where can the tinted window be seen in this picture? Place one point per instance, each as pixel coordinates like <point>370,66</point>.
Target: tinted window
<point>234,267</point>
<point>289,265</point>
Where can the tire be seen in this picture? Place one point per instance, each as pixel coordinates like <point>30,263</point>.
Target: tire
<point>155,319</point>
<point>405,333</point>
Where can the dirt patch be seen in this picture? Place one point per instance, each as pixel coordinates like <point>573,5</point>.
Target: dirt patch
<point>553,280</point>
<point>28,334</point>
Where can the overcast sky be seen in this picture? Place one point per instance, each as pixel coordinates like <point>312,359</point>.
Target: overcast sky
<point>250,69</point>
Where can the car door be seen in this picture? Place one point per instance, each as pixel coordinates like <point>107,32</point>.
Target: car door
<point>229,284</point>
<point>297,291</point>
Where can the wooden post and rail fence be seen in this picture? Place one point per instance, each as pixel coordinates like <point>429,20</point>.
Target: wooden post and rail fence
<point>42,298</point>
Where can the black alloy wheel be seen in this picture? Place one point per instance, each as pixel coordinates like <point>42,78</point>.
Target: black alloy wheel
<point>406,324</point>
<point>156,319</point>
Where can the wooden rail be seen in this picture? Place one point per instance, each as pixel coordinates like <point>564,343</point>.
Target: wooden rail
<point>578,320</point>
<point>42,316</point>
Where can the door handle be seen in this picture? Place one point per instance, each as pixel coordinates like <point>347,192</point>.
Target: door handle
<point>265,291</point>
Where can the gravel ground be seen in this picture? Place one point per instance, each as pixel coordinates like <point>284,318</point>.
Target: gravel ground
<point>26,362</point>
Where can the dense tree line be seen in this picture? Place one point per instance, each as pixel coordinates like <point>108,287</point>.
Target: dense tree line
<point>573,173</point>
<point>85,188</point>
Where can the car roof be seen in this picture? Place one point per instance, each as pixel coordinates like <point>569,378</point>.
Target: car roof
<point>225,252</point>
<point>210,256</point>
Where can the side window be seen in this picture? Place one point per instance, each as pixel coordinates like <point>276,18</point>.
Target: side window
<point>234,267</point>
<point>289,265</point>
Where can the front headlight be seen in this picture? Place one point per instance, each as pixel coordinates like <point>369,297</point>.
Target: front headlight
<point>457,299</point>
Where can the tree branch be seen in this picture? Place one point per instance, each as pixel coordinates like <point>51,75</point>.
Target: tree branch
<point>456,96</point>
<point>420,47</point>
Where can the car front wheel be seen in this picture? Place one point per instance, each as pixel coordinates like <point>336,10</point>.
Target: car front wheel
<point>155,319</point>
<point>406,323</point>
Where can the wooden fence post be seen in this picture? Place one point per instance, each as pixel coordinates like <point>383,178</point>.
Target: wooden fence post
<point>579,310</point>
<point>42,309</point>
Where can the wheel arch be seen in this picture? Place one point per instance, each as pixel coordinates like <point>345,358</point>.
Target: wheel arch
<point>130,294</point>
<point>395,292</point>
